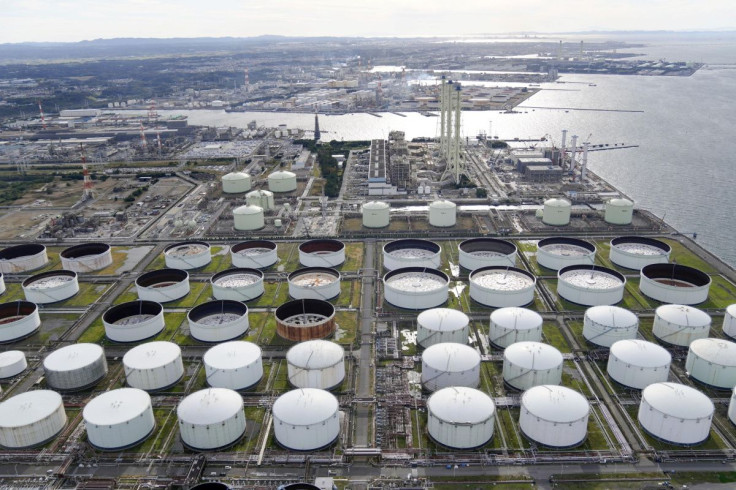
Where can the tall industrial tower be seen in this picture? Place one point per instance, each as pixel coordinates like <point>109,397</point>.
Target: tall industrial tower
<point>450,148</point>
<point>87,186</point>
<point>316,128</point>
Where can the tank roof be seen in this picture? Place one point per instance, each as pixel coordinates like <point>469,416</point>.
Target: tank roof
<point>683,315</point>
<point>315,354</point>
<point>248,209</point>
<point>555,403</point>
<point>533,355</point>
<point>451,357</point>
<point>717,351</point>
<point>28,408</point>
<point>443,319</point>
<point>232,355</point>
<point>235,176</point>
<point>731,310</point>
<point>75,356</point>
<point>282,174</point>
<point>517,318</point>
<point>612,316</point>
<point>442,204</point>
<point>151,355</point>
<point>376,205</point>
<point>305,406</point>
<point>641,353</point>
<point>259,193</point>
<point>116,406</point>
<point>10,357</point>
<point>558,202</point>
<point>209,406</point>
<point>461,405</point>
<point>678,400</point>
<point>620,201</point>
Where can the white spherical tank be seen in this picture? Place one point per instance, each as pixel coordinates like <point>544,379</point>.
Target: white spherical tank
<point>502,286</point>
<point>23,258</point>
<point>211,419</point>
<point>248,218</point>
<point>554,416</point>
<point>218,321</point>
<point>590,285</point>
<point>376,214</point>
<point>450,364</point>
<point>673,283</point>
<point>12,363</point>
<point>236,183</point>
<point>485,252</point>
<point>31,419</point>
<point>119,419</point>
<point>637,363</point>
<point>242,284</point>
<point>438,325</point>
<point>18,320</point>
<point>635,252</point>
<point>254,254</point>
<point>416,288</point>
<point>619,211</point>
<point>236,365</point>
<point>606,325</point>
<point>306,419</point>
<point>134,321</point>
<point>680,324</point>
<point>513,324</point>
<point>442,213</point>
<point>556,212</point>
<point>528,364</point>
<point>411,252</point>
<point>75,367</point>
<point>282,181</point>
<point>153,366</point>
<point>729,321</point>
<point>461,418</point>
<point>50,287</point>
<point>558,252</point>
<point>261,198</point>
<point>732,407</point>
<point>316,364</point>
<point>163,285</point>
<point>322,253</point>
<point>188,255</point>
<point>314,283</point>
<point>675,413</point>
<point>712,362</point>
<point>87,257</point>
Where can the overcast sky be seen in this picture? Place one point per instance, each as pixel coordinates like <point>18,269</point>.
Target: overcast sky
<point>75,20</point>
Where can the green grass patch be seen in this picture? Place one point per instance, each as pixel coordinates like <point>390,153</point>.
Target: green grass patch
<point>275,293</point>
<point>553,336</point>
<point>162,435</point>
<point>88,294</point>
<point>353,256</point>
<point>684,256</point>
<point>348,327</point>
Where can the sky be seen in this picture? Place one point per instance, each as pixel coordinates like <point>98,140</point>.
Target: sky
<point>76,20</point>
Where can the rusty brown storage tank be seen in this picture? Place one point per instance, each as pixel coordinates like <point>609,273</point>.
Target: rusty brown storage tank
<point>305,319</point>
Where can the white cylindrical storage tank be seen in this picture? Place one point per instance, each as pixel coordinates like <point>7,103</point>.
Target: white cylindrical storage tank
<point>635,252</point>
<point>486,252</point>
<point>450,364</point>
<point>187,255</point>
<point>442,213</point>
<point>314,283</point>
<point>590,285</point>
<point>376,214</point>
<point>637,363</point>
<point>254,254</point>
<point>675,413</point>
<point>316,364</point>
<point>2,283</point>
<point>605,325</point>
<point>322,253</point>
<point>416,288</point>
<point>528,364</point>
<point>619,211</point>
<point>18,320</point>
<point>218,321</point>
<point>732,407</point>
<point>261,198</point>
<point>248,218</point>
<point>31,419</point>
<point>729,321</point>
<point>242,284</point>
<point>411,252</point>
<point>236,365</point>
<point>680,324</point>
<point>12,363</point>
<point>23,258</point>
<point>87,257</point>
<point>306,419</point>
<point>712,362</point>
<point>50,287</point>
<point>119,419</point>
<point>556,212</point>
<point>438,325</point>
<point>673,283</point>
<point>513,324</point>
<point>558,252</point>
<point>163,285</point>
<point>134,321</point>
<point>153,366</point>
<point>460,418</point>
<point>554,416</point>
<point>502,286</point>
<point>235,183</point>
<point>75,367</point>
<point>211,419</point>
<point>282,181</point>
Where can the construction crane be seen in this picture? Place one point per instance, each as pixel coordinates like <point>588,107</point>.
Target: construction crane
<point>144,143</point>
<point>43,118</point>
<point>158,141</point>
<point>87,185</point>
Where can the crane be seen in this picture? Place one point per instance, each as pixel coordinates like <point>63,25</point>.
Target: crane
<point>43,118</point>
<point>87,186</point>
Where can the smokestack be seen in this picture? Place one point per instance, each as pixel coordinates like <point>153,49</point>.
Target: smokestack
<point>564,139</point>
<point>585,162</point>
<point>572,151</point>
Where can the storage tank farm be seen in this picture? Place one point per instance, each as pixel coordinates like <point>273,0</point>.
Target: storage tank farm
<point>249,217</point>
<point>134,321</point>
<point>254,254</point>
<point>314,283</point>
<point>18,320</point>
<point>50,287</point>
<point>442,213</point>
<point>237,365</point>
<point>31,419</point>
<point>211,419</point>
<point>239,284</point>
<point>26,257</point>
<point>218,320</point>
<point>502,286</point>
<point>163,285</point>
<point>675,413</point>
<point>556,212</point>
<point>75,367</point>
<point>188,255</point>
<point>486,252</point>
<point>306,419</point>
<point>636,363</point>
<point>2,283</point>
<point>316,364</point>
<point>376,214</point>
<point>416,288</point>
<point>282,181</point>
<point>674,283</point>
<point>513,324</point>
<point>236,183</point>
<point>732,407</point>
<point>619,211</point>
<point>450,364</point>
<point>322,253</point>
<point>554,416</point>
<point>305,319</point>
<point>729,321</point>
<point>411,252</point>
<point>679,325</point>
<point>605,325</point>
<point>558,252</point>
<point>439,325</point>
<point>153,366</point>
<point>529,364</point>
<point>261,198</point>
<point>12,363</point>
<point>460,418</point>
<point>119,419</point>
<point>712,362</point>
<point>635,252</point>
<point>590,285</point>
<point>87,257</point>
